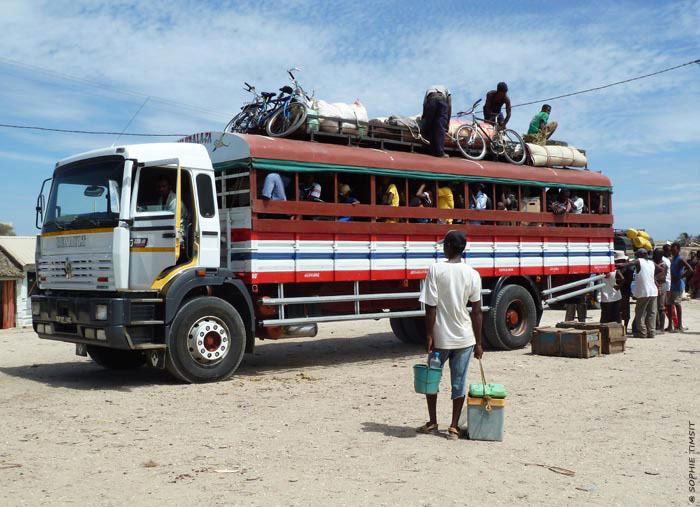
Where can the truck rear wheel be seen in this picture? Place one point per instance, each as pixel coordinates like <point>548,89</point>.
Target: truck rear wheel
<point>409,330</point>
<point>206,341</point>
<point>509,323</point>
<point>116,359</point>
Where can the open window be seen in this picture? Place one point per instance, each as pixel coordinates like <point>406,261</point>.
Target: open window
<point>157,205</point>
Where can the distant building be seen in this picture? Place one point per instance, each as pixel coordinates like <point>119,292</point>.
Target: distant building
<point>17,278</point>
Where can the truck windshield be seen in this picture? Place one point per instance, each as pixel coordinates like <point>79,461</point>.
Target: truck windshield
<point>85,195</point>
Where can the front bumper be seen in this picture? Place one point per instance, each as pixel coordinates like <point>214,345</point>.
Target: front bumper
<point>131,323</point>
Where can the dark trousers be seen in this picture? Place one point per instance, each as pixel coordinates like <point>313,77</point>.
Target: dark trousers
<point>610,312</point>
<point>434,122</point>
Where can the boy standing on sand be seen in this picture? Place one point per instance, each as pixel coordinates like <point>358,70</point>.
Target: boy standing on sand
<point>448,288</point>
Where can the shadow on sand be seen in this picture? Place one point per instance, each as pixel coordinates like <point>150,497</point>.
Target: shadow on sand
<point>269,357</point>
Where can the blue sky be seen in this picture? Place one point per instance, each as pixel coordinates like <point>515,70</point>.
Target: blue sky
<point>91,64</point>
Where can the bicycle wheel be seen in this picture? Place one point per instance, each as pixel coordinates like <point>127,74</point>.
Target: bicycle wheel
<point>513,147</point>
<point>242,121</point>
<point>285,122</point>
<point>470,142</point>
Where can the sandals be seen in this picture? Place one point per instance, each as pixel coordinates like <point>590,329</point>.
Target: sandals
<point>428,428</point>
<point>452,434</point>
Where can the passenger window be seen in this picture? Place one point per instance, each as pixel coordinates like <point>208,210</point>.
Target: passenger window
<point>205,196</point>
<point>233,187</point>
<point>531,199</point>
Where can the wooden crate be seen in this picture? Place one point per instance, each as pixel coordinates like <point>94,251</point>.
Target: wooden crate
<point>545,341</point>
<point>581,343</point>
<point>566,342</point>
<point>612,337</point>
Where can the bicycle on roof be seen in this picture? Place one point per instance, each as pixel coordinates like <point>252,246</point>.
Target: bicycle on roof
<point>291,110</point>
<point>473,139</point>
<point>254,114</point>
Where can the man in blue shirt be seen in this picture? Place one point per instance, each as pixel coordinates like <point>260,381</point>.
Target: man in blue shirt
<point>678,265</point>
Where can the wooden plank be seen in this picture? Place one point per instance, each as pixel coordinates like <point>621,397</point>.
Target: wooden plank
<point>270,225</point>
<point>365,210</point>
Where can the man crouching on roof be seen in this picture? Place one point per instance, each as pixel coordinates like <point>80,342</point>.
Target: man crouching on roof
<point>451,332</point>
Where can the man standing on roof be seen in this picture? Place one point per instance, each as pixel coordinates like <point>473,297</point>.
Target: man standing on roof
<point>437,109</point>
<point>541,128</point>
<point>451,329</point>
<point>495,100</point>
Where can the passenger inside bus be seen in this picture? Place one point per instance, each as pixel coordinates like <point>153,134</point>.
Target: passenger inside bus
<point>598,203</point>
<point>425,195</point>
<point>445,200</point>
<point>345,197</point>
<point>310,190</point>
<point>562,204</point>
<point>577,204</point>
<point>479,199</point>
<point>390,196</point>
<point>507,199</point>
<point>416,202</point>
<point>274,187</point>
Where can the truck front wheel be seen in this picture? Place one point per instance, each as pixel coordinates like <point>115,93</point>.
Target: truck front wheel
<point>116,359</point>
<point>206,341</point>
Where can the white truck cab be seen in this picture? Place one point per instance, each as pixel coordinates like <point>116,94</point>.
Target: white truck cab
<point>128,235</point>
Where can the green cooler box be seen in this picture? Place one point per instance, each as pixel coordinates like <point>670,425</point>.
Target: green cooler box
<point>483,424</point>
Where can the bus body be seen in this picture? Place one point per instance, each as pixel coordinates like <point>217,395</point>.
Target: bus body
<point>190,288</point>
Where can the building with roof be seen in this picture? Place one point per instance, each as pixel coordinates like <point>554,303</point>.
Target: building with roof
<point>17,278</point>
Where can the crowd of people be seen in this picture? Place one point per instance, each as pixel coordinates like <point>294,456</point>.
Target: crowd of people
<point>437,110</point>
<point>441,195</point>
<point>657,285</point>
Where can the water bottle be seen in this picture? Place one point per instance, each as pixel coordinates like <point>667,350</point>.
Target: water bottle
<point>435,361</point>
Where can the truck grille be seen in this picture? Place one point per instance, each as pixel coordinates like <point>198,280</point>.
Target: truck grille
<point>84,271</point>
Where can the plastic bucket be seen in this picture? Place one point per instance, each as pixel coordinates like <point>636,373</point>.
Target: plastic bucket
<point>426,380</point>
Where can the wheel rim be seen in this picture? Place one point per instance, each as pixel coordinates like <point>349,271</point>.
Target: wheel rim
<point>513,147</point>
<point>208,341</point>
<point>287,121</point>
<point>516,318</point>
<point>469,142</point>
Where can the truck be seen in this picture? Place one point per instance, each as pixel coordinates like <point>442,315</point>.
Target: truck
<point>170,254</point>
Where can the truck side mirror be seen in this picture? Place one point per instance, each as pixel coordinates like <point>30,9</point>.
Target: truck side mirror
<point>40,204</point>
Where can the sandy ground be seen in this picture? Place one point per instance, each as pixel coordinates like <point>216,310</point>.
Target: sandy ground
<point>330,421</point>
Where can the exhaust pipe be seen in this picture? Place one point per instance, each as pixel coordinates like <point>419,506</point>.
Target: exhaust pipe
<point>301,331</point>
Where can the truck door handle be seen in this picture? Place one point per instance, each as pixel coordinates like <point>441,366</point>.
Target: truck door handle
<point>169,235</point>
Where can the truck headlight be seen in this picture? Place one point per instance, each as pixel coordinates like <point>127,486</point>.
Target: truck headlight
<point>36,308</point>
<point>100,312</point>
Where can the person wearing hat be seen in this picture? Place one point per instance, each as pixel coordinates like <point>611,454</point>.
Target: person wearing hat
<point>645,292</point>
<point>345,197</point>
<point>610,295</point>
<point>451,329</point>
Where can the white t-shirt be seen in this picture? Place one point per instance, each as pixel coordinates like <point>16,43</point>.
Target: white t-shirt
<point>449,286</point>
<point>644,285</point>
<point>577,207</point>
<point>437,89</point>
<point>608,293</point>
<point>666,286</point>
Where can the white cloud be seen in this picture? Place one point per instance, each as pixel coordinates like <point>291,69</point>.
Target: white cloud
<point>200,53</point>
